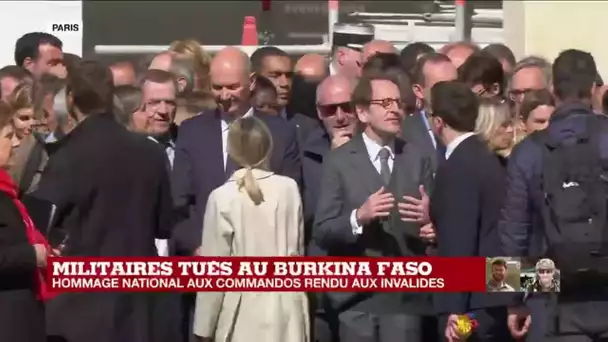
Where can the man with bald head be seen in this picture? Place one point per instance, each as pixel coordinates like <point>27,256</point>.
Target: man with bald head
<point>374,47</point>
<point>123,74</point>
<point>182,68</point>
<point>201,161</point>
<point>459,52</point>
<point>339,124</point>
<point>312,67</point>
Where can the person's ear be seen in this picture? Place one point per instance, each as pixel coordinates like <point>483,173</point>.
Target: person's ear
<point>419,92</point>
<point>362,112</point>
<point>182,82</point>
<point>28,63</point>
<point>341,56</point>
<point>252,82</point>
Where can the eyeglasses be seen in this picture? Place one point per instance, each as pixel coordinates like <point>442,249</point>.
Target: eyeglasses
<point>516,94</point>
<point>387,103</point>
<point>332,108</point>
<point>544,271</point>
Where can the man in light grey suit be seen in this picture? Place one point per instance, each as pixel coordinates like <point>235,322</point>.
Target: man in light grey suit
<point>372,203</point>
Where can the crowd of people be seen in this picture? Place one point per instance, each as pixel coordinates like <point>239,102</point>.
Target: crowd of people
<point>372,152</point>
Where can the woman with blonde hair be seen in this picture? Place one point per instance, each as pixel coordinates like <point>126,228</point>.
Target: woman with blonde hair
<point>22,106</point>
<point>23,252</point>
<point>191,49</point>
<point>255,213</point>
<point>495,125</point>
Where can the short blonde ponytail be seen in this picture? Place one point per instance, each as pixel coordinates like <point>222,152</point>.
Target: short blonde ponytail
<point>250,145</point>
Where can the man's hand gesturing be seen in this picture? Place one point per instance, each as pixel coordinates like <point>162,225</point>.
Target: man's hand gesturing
<point>378,204</point>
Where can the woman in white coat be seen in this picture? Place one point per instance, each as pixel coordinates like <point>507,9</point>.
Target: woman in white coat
<point>255,213</point>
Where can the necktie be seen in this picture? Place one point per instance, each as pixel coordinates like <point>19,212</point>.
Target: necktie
<point>385,170</point>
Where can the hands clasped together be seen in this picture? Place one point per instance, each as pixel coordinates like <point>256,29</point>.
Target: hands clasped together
<point>411,209</point>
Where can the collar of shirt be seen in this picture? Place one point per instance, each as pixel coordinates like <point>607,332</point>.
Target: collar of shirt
<point>226,122</point>
<point>373,148</point>
<point>452,145</point>
<point>332,69</point>
<point>499,286</point>
<point>169,143</point>
<point>427,124</point>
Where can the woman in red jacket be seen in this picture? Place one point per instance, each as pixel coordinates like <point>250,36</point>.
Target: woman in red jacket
<point>23,253</point>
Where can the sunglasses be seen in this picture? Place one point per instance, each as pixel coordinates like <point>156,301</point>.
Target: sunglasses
<point>544,271</point>
<point>332,109</point>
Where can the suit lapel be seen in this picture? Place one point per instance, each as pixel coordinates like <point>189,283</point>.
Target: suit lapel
<point>363,166</point>
<point>212,154</point>
<point>415,128</point>
<point>402,172</point>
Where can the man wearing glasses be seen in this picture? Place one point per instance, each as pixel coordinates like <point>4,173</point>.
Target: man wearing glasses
<point>370,205</point>
<point>338,125</point>
<point>547,277</point>
<point>531,73</point>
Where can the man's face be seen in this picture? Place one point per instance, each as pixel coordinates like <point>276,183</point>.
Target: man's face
<point>499,273</point>
<point>538,119</point>
<point>49,57</point>
<point>266,101</point>
<point>278,69</point>
<point>433,74</point>
<point>7,85</point>
<point>159,100</point>
<point>545,277</point>
<point>385,112</point>
<point>524,81</point>
<point>123,75</point>
<point>231,89</point>
<point>349,61</point>
<point>336,111</point>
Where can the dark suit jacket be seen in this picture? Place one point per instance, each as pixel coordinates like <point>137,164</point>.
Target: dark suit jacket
<point>304,126</point>
<point>112,195</point>
<point>414,130</point>
<point>349,178</point>
<point>465,209</point>
<point>198,169</point>
<point>314,150</point>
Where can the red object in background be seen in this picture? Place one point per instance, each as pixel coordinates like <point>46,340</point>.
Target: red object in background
<point>333,4</point>
<point>250,32</point>
<point>265,5</point>
<point>460,2</point>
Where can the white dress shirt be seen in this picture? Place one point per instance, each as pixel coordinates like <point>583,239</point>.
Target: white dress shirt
<point>332,69</point>
<point>454,143</point>
<point>162,245</point>
<point>373,151</point>
<point>427,124</point>
<point>169,149</point>
<point>225,126</point>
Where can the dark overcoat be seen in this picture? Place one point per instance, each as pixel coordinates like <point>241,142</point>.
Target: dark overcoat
<point>113,198</point>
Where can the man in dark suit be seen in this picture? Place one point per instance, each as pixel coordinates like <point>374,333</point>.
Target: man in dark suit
<point>201,158</point>
<point>429,69</point>
<point>465,207</point>
<point>338,125</point>
<point>357,214</point>
<point>112,198</point>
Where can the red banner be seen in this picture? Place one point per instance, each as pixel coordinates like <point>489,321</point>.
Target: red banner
<point>198,274</point>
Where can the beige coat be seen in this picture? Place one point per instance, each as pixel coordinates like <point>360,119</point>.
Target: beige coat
<point>235,226</point>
